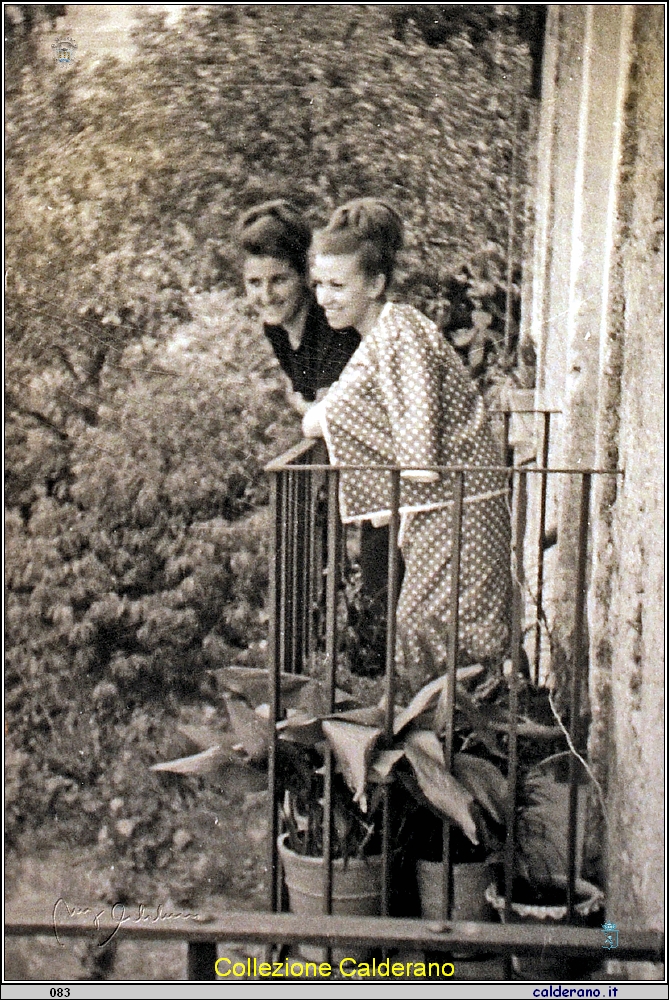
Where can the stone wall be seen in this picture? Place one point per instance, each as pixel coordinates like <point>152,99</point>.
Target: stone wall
<point>598,325</point>
<point>635,625</point>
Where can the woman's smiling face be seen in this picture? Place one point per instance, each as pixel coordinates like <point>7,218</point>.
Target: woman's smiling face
<point>348,295</point>
<point>274,288</point>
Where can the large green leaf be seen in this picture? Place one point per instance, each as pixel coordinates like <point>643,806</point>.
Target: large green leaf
<point>443,712</point>
<point>301,728</point>
<point>440,788</point>
<point>371,716</point>
<point>352,746</point>
<point>426,699</point>
<point>427,741</point>
<point>206,762</point>
<point>384,762</point>
<point>203,737</point>
<point>467,673</point>
<point>486,783</point>
<point>252,683</point>
<point>250,731</point>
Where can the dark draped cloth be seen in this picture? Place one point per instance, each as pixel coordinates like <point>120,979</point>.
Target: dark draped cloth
<point>321,356</point>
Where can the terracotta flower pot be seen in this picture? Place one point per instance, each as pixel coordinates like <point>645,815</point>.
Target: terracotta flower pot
<point>532,967</point>
<point>470,882</point>
<point>356,891</point>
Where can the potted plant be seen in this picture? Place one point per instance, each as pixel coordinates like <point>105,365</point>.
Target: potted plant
<point>364,761</point>
<point>541,865</point>
<point>299,761</point>
<point>472,798</point>
<point>481,727</point>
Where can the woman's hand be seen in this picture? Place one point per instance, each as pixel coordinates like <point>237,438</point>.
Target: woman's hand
<point>295,400</point>
<point>312,426</point>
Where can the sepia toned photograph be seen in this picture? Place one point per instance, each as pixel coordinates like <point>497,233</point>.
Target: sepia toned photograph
<point>334,496</point>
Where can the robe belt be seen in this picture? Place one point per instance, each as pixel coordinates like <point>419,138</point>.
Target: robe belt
<point>405,512</point>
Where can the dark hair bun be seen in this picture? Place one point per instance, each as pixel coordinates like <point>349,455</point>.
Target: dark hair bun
<point>275,229</point>
<point>366,226</point>
<point>370,219</point>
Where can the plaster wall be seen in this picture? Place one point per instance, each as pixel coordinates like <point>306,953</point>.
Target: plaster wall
<point>598,325</point>
<point>637,594</point>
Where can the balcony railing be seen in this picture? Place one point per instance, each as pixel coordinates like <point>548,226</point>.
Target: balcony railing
<point>307,560</point>
<point>308,546</point>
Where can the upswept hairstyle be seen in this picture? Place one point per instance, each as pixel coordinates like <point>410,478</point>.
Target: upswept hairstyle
<point>367,226</point>
<point>275,229</point>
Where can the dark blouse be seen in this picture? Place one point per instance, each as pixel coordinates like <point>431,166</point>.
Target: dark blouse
<point>321,356</point>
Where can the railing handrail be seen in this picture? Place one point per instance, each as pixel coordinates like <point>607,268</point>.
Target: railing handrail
<point>307,520</point>
<point>290,460</point>
<point>263,927</point>
<point>298,450</point>
<point>284,463</point>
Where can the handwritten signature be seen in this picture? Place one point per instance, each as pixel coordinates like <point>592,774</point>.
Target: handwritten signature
<point>118,915</point>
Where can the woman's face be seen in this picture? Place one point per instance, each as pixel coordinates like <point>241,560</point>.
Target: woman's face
<point>348,295</point>
<point>275,289</point>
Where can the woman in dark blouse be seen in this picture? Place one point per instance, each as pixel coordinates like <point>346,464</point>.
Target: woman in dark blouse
<point>274,239</point>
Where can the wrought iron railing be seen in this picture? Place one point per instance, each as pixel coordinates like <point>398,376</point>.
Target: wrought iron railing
<point>305,574</point>
<point>307,547</point>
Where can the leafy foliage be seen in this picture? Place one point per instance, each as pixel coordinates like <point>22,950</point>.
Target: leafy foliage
<point>475,794</point>
<point>141,405</point>
<point>141,567</point>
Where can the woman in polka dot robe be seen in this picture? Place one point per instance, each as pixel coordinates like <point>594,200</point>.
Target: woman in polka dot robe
<point>406,399</point>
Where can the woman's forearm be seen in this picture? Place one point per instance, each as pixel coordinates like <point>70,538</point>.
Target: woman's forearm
<point>312,422</point>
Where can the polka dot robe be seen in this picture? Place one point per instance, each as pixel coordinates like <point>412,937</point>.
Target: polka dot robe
<point>406,399</point>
